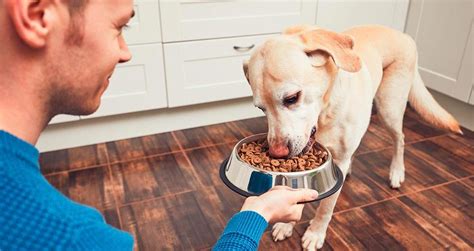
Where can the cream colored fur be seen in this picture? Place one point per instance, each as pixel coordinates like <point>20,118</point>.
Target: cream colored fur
<point>338,76</point>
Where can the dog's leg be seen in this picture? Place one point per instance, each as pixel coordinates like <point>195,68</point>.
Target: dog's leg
<point>315,234</point>
<point>281,231</point>
<point>391,100</point>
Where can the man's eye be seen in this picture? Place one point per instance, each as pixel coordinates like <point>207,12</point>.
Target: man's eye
<point>290,100</point>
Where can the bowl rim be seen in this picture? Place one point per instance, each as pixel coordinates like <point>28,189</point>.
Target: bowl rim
<point>253,137</point>
<point>229,184</point>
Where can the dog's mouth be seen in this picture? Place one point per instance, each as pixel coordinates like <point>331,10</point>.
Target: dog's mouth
<point>311,141</point>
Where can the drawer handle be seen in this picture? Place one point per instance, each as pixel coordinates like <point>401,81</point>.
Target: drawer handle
<point>244,48</point>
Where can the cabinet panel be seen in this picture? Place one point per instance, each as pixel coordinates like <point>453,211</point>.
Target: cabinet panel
<point>205,71</point>
<point>197,19</point>
<point>443,32</point>
<point>144,27</point>
<point>137,85</point>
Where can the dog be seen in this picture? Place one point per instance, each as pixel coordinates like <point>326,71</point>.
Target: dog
<point>312,81</point>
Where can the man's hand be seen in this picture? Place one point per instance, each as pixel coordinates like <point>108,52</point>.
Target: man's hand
<point>279,204</point>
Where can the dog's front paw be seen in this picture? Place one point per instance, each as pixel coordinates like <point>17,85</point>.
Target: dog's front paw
<point>313,240</point>
<point>282,230</point>
<point>397,176</point>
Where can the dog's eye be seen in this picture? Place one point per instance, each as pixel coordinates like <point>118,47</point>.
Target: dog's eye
<point>290,100</point>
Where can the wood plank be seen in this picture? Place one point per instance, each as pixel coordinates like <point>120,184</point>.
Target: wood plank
<point>73,158</point>
<point>453,146</point>
<point>450,208</point>
<point>252,126</point>
<point>91,186</point>
<point>111,216</point>
<point>419,173</point>
<point>208,135</point>
<point>359,189</point>
<point>467,138</point>
<point>385,225</point>
<point>152,177</point>
<point>469,182</point>
<point>170,223</point>
<point>206,162</point>
<point>441,158</point>
<point>134,148</point>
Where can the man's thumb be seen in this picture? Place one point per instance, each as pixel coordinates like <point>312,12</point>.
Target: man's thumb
<point>307,195</point>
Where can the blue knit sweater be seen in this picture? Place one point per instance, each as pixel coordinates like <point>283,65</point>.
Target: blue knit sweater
<point>35,216</point>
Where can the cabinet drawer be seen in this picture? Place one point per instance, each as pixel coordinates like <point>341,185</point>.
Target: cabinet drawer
<point>205,71</point>
<point>343,14</point>
<point>137,85</point>
<point>144,27</point>
<point>204,19</point>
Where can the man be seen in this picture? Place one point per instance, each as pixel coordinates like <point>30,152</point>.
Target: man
<point>57,57</point>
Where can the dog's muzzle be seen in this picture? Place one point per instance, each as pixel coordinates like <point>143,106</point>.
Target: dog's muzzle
<point>311,140</point>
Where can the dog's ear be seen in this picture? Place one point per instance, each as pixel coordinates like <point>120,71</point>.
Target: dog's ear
<point>245,66</point>
<point>318,57</point>
<point>338,46</point>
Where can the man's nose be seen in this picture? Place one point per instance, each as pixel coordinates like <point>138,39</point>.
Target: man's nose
<point>125,55</point>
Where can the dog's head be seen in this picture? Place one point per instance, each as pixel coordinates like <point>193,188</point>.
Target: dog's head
<point>290,76</point>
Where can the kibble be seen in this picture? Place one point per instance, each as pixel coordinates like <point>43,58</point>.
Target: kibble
<point>256,154</point>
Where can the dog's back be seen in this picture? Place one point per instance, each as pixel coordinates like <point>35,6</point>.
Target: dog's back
<point>391,55</point>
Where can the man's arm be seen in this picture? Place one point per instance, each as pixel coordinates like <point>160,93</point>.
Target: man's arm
<point>243,232</point>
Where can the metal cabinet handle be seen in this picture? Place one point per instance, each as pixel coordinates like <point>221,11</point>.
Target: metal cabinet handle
<point>243,48</point>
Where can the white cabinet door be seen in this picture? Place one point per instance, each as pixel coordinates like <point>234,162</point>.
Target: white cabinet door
<point>342,14</point>
<point>137,85</point>
<point>63,118</point>
<point>210,70</point>
<point>444,32</point>
<point>198,19</point>
<point>144,27</point>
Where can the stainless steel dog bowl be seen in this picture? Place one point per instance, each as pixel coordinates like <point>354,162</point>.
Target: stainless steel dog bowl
<point>247,180</point>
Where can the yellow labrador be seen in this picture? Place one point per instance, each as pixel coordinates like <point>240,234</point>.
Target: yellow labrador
<point>311,81</point>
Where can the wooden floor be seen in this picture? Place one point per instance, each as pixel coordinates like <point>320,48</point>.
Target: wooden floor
<point>165,189</point>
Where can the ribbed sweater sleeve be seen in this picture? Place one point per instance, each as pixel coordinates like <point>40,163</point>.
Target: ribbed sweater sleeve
<point>243,232</point>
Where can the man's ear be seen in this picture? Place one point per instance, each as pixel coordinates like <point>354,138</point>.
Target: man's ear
<point>245,66</point>
<point>338,46</point>
<point>31,20</point>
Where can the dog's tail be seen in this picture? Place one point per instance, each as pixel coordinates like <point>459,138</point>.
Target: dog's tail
<point>422,101</point>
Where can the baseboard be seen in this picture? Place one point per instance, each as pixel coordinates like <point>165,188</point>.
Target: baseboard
<point>110,128</point>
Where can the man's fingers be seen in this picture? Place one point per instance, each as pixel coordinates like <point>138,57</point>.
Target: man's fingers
<point>281,187</point>
<point>303,195</point>
<point>297,212</point>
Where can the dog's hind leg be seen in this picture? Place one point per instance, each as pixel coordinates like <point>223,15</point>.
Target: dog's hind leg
<point>391,100</point>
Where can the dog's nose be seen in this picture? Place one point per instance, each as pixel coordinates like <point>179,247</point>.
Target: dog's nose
<point>279,151</point>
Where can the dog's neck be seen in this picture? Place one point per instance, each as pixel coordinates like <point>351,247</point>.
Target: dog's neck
<point>336,97</point>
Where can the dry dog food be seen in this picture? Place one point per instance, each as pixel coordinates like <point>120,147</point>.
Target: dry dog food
<point>256,154</point>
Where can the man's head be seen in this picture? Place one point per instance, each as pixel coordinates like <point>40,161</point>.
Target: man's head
<point>290,76</point>
<point>63,52</point>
